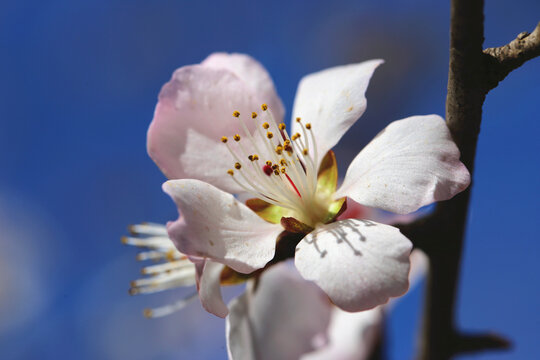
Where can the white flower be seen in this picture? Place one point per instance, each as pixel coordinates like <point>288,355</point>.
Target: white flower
<point>358,263</point>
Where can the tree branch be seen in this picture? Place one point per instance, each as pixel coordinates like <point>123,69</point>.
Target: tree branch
<point>500,61</point>
<point>472,73</point>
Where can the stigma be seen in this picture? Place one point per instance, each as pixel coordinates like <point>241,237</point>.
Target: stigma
<point>276,167</point>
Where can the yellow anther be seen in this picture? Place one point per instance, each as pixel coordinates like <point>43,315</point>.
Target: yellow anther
<point>148,313</point>
<point>287,142</point>
<point>282,126</point>
<point>265,125</point>
<point>283,162</point>
<point>230,172</point>
<point>255,157</point>
<point>236,137</point>
<point>250,157</point>
<point>305,151</point>
<point>294,137</point>
<point>308,126</point>
<point>298,119</point>
<point>253,115</point>
<point>269,134</point>
<point>264,107</point>
<point>268,162</point>
<point>288,148</point>
<point>276,172</point>
<point>236,114</point>
<point>224,139</point>
<point>283,170</point>
<point>237,166</point>
<point>275,167</point>
<point>279,149</point>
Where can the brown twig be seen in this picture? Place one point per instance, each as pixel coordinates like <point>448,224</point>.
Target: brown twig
<point>502,60</point>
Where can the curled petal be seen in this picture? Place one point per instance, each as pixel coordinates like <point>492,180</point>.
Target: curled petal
<point>283,318</point>
<point>209,288</point>
<point>217,226</point>
<point>413,162</point>
<point>195,110</point>
<point>332,100</point>
<point>359,263</point>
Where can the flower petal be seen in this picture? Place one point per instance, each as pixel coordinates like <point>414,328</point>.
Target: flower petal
<point>208,285</point>
<point>195,110</point>
<point>217,226</point>
<point>332,100</point>
<point>254,76</point>
<point>281,319</point>
<point>353,336</point>
<point>411,163</point>
<point>359,263</point>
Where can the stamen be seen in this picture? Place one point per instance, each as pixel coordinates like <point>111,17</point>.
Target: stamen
<point>224,139</point>
<point>175,270</point>
<point>294,183</point>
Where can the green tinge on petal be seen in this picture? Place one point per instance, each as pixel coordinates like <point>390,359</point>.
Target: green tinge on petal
<point>327,177</point>
<point>267,211</point>
<point>335,209</point>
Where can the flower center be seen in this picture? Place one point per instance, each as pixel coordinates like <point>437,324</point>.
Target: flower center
<point>285,172</point>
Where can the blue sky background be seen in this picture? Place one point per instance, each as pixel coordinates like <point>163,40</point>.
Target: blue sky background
<point>78,86</point>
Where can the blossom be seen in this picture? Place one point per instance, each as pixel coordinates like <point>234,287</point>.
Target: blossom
<point>267,322</point>
<point>212,135</point>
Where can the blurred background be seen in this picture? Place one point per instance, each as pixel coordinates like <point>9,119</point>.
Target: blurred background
<point>78,85</point>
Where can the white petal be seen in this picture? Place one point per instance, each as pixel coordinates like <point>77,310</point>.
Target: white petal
<point>353,336</point>
<point>332,100</point>
<point>208,285</point>
<point>411,163</point>
<point>359,263</point>
<point>215,225</point>
<point>281,319</point>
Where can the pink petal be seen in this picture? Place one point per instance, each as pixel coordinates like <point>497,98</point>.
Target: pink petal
<point>411,163</point>
<point>217,226</point>
<point>208,285</point>
<point>281,319</point>
<point>332,100</point>
<point>359,263</point>
<point>195,110</point>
